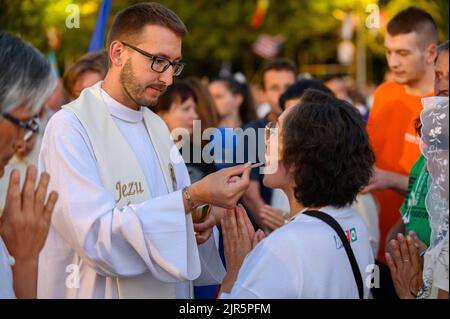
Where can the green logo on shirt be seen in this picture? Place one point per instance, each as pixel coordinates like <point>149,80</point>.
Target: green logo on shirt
<point>351,237</point>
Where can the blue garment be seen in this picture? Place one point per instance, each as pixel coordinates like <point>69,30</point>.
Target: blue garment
<point>206,292</point>
<point>224,147</point>
<point>98,37</point>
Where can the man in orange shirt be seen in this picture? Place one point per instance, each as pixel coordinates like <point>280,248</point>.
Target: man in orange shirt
<point>410,44</point>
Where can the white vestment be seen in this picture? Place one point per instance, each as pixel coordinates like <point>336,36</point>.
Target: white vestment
<point>99,245</point>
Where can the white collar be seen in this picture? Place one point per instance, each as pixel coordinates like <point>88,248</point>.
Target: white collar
<point>120,111</point>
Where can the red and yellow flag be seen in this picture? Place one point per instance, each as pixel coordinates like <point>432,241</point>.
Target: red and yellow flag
<point>260,13</point>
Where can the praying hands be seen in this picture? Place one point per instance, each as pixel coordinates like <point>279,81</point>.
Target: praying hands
<point>24,226</point>
<point>406,265</point>
<point>239,239</point>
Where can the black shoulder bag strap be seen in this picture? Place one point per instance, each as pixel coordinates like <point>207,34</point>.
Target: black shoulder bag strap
<point>348,249</point>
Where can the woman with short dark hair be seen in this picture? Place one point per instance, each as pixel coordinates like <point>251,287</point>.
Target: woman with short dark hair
<point>321,159</point>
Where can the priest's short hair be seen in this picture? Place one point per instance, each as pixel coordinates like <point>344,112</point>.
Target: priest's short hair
<point>129,22</point>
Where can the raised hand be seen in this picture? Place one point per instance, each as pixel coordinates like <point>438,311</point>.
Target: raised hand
<point>406,267</point>
<point>24,226</point>
<point>239,239</point>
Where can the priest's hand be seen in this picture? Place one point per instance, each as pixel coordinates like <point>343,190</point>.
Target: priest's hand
<point>239,239</point>
<point>406,267</point>
<point>222,188</point>
<point>24,226</point>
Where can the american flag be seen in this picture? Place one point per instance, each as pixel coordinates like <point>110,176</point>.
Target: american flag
<point>267,46</point>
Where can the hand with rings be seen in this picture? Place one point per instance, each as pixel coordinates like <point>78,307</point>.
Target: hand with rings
<point>406,266</point>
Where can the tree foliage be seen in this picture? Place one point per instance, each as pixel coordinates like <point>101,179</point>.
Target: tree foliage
<point>219,30</point>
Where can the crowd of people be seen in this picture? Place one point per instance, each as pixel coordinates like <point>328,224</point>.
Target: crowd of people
<point>122,180</point>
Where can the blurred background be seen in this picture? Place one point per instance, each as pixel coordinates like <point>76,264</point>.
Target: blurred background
<point>324,37</point>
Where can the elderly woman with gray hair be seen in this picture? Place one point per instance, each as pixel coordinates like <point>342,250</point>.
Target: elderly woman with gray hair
<point>26,81</point>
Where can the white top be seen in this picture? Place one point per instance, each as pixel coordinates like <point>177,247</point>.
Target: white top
<point>91,241</point>
<point>305,259</point>
<point>367,208</point>
<point>6,279</point>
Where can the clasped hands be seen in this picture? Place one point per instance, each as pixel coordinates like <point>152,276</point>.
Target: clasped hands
<point>406,264</point>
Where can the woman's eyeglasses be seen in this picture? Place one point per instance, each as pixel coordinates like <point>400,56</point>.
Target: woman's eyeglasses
<point>31,127</point>
<point>159,64</point>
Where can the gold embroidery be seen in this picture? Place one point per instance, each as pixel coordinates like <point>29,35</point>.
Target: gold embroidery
<point>173,177</point>
<point>128,189</point>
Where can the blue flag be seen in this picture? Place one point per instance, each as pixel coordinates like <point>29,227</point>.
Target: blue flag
<point>98,37</point>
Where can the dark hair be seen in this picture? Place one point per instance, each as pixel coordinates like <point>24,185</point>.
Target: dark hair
<point>247,111</point>
<point>94,61</point>
<point>129,22</point>
<point>332,76</point>
<point>296,90</point>
<point>414,20</point>
<point>179,91</point>
<point>325,142</point>
<point>280,64</point>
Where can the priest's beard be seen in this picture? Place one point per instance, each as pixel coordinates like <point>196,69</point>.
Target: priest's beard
<point>134,90</point>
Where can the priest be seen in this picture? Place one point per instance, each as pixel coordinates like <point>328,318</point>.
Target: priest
<point>122,227</point>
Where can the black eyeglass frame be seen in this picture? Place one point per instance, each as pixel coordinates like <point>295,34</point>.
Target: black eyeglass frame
<point>177,66</point>
<point>31,125</point>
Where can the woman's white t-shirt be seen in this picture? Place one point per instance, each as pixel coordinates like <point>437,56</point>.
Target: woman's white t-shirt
<point>305,259</point>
